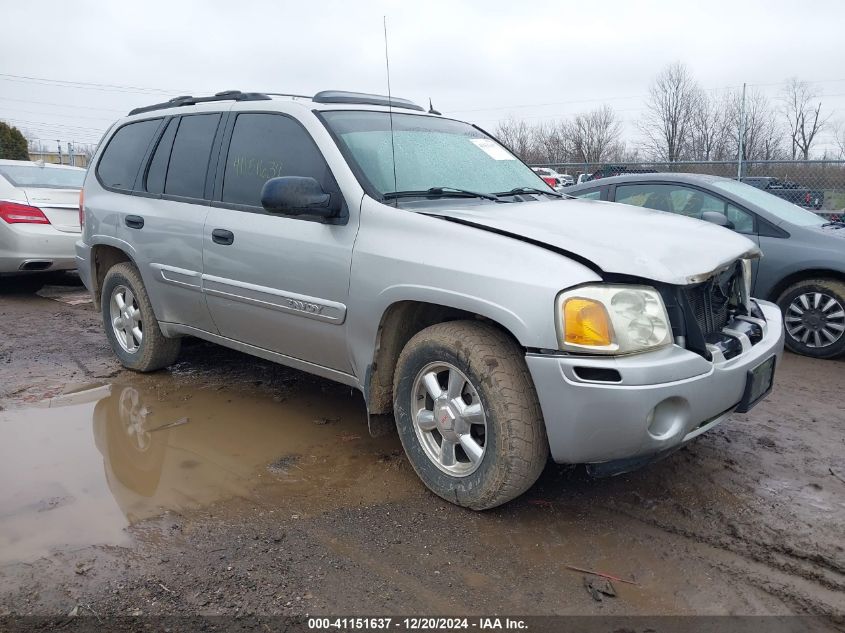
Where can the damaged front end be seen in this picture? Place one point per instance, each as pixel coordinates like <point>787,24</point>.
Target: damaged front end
<point>714,315</point>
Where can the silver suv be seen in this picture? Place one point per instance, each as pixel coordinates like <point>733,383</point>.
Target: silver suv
<point>415,258</point>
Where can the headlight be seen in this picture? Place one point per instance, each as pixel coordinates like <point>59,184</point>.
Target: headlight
<point>606,319</point>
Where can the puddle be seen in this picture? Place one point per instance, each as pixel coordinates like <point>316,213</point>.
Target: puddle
<point>81,467</point>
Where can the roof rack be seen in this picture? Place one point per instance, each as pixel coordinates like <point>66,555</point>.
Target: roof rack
<point>288,94</point>
<point>342,96</point>
<point>228,95</point>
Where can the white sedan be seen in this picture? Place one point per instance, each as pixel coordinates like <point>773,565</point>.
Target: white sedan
<point>39,216</point>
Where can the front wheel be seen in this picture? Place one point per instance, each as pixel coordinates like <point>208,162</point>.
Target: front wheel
<point>468,415</point>
<point>130,324</point>
<point>814,317</point>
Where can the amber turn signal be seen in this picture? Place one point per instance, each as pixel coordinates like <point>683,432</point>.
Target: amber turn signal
<point>586,322</point>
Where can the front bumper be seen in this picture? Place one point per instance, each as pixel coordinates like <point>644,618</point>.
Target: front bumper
<point>659,401</point>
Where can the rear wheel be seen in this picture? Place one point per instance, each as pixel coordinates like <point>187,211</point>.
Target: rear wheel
<point>814,317</point>
<point>130,323</point>
<point>468,415</point>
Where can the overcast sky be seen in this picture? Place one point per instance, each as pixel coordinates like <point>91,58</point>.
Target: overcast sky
<point>480,61</point>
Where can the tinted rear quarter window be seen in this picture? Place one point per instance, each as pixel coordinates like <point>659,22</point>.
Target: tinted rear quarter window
<point>189,156</point>
<point>161,157</point>
<point>266,146</point>
<point>118,168</point>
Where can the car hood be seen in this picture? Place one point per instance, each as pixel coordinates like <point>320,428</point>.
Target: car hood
<point>617,238</point>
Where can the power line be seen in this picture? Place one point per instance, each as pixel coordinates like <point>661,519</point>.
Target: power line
<point>541,105</point>
<point>57,125</point>
<point>62,105</point>
<point>638,96</point>
<point>84,85</point>
<point>64,116</point>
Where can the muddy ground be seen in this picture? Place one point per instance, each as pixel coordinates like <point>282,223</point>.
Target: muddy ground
<point>230,485</point>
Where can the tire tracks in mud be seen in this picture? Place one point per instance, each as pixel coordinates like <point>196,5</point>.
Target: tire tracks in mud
<point>809,582</point>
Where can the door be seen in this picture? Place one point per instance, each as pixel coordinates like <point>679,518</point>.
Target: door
<point>166,221</point>
<point>277,282</point>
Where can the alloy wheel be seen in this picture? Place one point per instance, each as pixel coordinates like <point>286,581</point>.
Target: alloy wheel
<point>126,319</point>
<point>815,319</point>
<point>449,419</point>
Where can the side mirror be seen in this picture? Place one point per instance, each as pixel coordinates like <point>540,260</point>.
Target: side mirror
<point>297,195</point>
<point>717,218</point>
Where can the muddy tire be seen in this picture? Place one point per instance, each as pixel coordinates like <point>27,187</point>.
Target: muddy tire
<point>814,317</point>
<point>468,415</point>
<point>131,325</point>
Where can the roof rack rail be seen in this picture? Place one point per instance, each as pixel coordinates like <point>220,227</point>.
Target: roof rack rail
<point>227,95</point>
<point>288,94</point>
<point>342,96</point>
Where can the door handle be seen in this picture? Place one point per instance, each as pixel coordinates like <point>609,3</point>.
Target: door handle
<point>222,236</point>
<point>134,221</point>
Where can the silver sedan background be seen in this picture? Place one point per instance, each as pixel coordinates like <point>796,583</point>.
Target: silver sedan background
<point>39,216</point>
<point>803,263</point>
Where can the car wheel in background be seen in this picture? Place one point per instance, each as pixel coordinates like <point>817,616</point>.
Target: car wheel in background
<point>468,415</point>
<point>130,324</point>
<point>814,317</point>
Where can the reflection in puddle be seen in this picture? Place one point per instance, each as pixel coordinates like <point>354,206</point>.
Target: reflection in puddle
<point>152,453</point>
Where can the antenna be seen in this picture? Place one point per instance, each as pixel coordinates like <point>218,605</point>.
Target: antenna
<point>390,110</point>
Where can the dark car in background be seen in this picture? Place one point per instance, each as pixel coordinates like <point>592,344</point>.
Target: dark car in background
<point>788,190</point>
<point>803,263</point>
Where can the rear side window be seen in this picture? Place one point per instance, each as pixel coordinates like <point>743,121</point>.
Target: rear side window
<point>161,157</point>
<point>189,156</point>
<point>266,146</point>
<point>118,168</point>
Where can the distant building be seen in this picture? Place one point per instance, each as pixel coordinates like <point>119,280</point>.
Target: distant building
<point>79,160</point>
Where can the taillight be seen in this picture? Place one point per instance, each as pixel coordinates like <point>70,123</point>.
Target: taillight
<point>14,213</point>
<point>81,209</point>
<point>549,181</point>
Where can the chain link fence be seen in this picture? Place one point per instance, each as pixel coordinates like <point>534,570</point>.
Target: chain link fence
<point>818,185</point>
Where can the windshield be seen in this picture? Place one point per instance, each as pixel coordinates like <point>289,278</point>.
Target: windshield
<point>43,177</point>
<point>778,206</point>
<point>430,153</point>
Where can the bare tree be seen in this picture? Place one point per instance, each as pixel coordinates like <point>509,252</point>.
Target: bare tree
<point>517,136</point>
<point>596,135</point>
<point>709,136</point>
<point>762,136</point>
<point>839,138</point>
<point>669,110</point>
<point>551,143</point>
<point>803,116</point>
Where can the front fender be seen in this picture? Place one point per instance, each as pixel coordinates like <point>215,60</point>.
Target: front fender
<point>401,256</point>
<point>503,315</point>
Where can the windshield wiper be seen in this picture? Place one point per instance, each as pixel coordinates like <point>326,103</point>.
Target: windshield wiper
<point>441,192</point>
<point>837,223</point>
<point>520,190</point>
